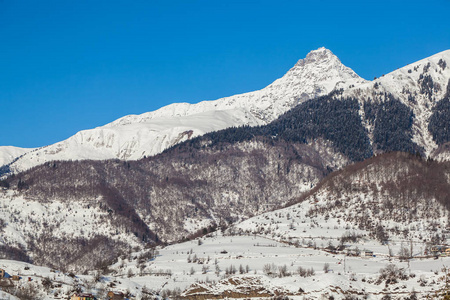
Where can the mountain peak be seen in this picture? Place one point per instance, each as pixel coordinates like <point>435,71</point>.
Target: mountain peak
<point>321,56</point>
<point>319,73</point>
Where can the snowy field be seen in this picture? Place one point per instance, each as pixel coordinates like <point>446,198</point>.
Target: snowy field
<point>241,267</point>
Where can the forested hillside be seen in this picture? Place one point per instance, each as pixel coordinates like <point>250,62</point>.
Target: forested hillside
<point>333,118</point>
<point>389,197</point>
<point>207,182</point>
<point>169,197</point>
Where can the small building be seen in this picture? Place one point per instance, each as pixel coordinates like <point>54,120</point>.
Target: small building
<point>435,249</point>
<point>115,295</point>
<point>2,273</point>
<point>439,250</point>
<point>15,277</point>
<point>368,253</point>
<point>82,296</point>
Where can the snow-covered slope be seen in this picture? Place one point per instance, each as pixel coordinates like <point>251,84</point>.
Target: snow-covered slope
<point>318,74</point>
<point>419,85</point>
<point>134,140</point>
<point>135,136</point>
<point>382,198</point>
<point>67,228</point>
<point>9,153</point>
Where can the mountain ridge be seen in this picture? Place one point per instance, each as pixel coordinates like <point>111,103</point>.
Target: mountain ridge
<point>136,136</point>
<point>9,153</point>
<point>418,85</point>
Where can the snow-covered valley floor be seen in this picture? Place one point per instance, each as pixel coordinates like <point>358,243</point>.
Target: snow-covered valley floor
<point>241,266</point>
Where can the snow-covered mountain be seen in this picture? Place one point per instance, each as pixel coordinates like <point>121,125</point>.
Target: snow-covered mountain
<point>318,74</point>
<point>419,86</point>
<point>9,153</point>
<point>136,136</point>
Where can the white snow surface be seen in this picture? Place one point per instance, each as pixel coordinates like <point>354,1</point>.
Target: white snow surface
<point>135,136</point>
<point>134,140</point>
<point>9,153</point>
<point>206,272</point>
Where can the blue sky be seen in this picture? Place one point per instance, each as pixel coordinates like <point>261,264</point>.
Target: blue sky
<point>66,66</point>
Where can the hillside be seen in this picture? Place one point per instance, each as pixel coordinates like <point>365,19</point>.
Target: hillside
<point>336,121</point>
<point>185,194</point>
<point>393,206</point>
<point>168,197</point>
<point>389,197</point>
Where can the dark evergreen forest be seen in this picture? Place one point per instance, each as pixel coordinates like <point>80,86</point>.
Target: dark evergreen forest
<point>332,118</point>
<point>392,121</point>
<point>439,125</point>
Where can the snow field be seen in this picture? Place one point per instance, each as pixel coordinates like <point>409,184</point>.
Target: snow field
<point>171,271</point>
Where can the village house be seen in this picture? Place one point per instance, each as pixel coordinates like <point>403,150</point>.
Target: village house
<point>368,253</point>
<point>115,295</point>
<point>440,250</point>
<point>3,275</point>
<point>435,249</point>
<point>82,296</point>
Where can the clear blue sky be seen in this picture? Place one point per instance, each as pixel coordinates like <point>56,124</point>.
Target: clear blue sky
<point>66,66</point>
